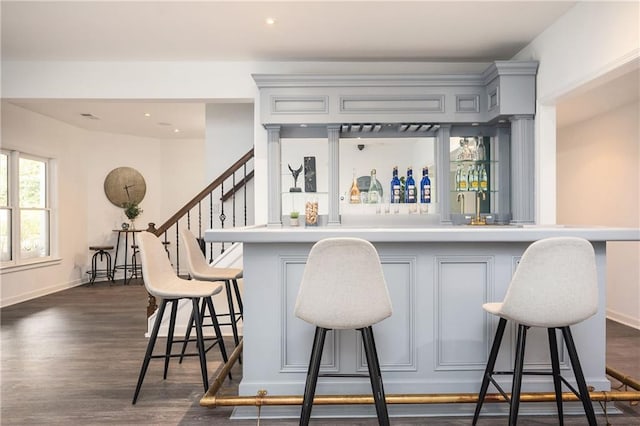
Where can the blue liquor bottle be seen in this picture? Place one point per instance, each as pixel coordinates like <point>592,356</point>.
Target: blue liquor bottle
<point>395,186</point>
<point>410,188</point>
<point>425,187</point>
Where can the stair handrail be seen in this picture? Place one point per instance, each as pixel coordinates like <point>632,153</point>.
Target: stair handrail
<point>204,193</point>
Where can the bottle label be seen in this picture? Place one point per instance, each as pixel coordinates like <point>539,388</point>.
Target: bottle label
<point>373,197</point>
<point>483,184</point>
<point>396,193</point>
<point>463,184</point>
<point>426,193</point>
<point>411,194</point>
<point>474,184</point>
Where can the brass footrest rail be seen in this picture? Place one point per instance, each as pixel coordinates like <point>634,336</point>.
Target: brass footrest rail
<point>211,400</point>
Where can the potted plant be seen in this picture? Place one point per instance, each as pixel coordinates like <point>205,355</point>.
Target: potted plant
<point>293,218</point>
<point>132,211</point>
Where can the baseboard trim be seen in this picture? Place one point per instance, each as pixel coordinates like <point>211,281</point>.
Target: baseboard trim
<point>623,319</point>
<point>39,293</point>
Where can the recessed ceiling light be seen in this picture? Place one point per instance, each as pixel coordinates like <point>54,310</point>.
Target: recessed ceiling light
<point>147,114</point>
<point>303,125</point>
<point>270,21</point>
<point>176,130</point>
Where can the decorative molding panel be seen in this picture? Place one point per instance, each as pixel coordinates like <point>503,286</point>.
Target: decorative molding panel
<point>468,103</point>
<point>461,334</point>
<point>299,104</point>
<point>493,98</point>
<point>392,104</point>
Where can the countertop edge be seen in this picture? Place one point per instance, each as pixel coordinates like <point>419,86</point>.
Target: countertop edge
<point>264,234</point>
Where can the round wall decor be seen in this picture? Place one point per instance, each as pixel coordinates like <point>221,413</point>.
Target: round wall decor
<point>125,185</point>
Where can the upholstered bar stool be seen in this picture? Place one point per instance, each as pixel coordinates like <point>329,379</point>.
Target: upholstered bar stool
<point>555,286</point>
<point>343,287</point>
<point>201,270</point>
<point>101,254</point>
<point>162,282</point>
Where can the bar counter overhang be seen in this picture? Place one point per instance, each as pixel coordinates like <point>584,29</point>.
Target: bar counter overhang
<point>437,340</point>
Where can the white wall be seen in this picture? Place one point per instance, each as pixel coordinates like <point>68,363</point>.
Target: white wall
<point>39,135</point>
<point>599,184</point>
<point>590,40</point>
<point>85,215</point>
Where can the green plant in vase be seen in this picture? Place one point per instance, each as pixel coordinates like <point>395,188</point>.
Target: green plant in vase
<point>132,211</point>
<point>293,218</point>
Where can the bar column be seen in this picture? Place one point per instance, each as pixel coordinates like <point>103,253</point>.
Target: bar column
<point>522,169</point>
<point>274,195</point>
<point>333,135</point>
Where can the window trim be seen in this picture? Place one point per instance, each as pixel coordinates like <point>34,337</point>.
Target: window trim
<point>17,262</point>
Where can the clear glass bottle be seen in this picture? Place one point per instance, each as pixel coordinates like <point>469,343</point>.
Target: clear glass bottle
<point>463,182</point>
<point>482,178</point>
<point>410,188</point>
<point>425,187</point>
<point>473,178</point>
<point>395,187</point>
<point>375,189</point>
<point>481,153</point>
<point>354,192</point>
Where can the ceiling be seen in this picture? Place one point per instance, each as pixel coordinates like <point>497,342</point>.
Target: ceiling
<point>354,30</point>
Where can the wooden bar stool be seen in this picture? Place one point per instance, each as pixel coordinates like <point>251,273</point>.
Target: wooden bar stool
<point>555,286</point>
<point>343,287</point>
<point>100,254</point>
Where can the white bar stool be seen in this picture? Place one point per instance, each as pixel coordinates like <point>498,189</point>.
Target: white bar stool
<point>555,286</point>
<point>200,269</point>
<point>343,287</point>
<point>162,282</point>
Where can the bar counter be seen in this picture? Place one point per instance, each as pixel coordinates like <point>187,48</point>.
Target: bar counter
<point>438,338</point>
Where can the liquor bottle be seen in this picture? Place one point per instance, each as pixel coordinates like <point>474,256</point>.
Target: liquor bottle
<point>425,186</point>
<point>410,187</point>
<point>481,153</point>
<point>473,178</point>
<point>375,190</point>
<point>463,183</point>
<point>482,177</point>
<point>395,186</point>
<point>354,192</point>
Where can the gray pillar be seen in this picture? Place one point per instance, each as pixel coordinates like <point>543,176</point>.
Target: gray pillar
<point>522,169</point>
<point>500,180</point>
<point>274,195</point>
<point>442,173</point>
<point>333,135</point>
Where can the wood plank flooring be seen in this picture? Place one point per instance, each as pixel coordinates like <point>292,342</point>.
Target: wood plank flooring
<point>72,358</point>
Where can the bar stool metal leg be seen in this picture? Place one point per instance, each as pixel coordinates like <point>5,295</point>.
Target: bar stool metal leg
<point>493,356</point>
<point>232,312</point>
<point>150,345</point>
<point>555,371</point>
<point>312,375</point>
<point>172,326</point>
<point>200,342</point>
<point>375,376</point>
<point>577,371</point>
<point>517,374</point>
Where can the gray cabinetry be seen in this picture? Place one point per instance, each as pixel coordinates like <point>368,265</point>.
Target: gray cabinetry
<point>498,104</point>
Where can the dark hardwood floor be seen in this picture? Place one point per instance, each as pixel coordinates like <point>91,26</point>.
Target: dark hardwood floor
<point>72,358</point>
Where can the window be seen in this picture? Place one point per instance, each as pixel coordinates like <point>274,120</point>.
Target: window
<point>25,208</point>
